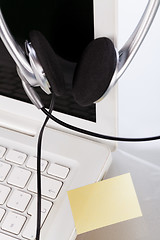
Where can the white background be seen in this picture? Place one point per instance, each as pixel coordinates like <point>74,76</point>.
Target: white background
<point>139,87</point>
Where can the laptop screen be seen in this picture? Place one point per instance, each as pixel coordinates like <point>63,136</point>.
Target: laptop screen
<point>68,26</point>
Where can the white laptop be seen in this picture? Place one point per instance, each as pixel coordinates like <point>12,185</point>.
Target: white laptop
<point>69,159</point>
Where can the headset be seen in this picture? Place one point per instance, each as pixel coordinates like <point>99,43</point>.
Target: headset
<point>100,67</point>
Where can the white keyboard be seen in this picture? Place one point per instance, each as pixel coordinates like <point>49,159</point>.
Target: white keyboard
<point>18,197</point>
<point>68,162</point>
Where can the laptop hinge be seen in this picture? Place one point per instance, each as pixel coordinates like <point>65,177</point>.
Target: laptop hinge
<point>18,123</point>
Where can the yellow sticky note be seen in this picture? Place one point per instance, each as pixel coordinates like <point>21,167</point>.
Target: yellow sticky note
<point>104,203</point>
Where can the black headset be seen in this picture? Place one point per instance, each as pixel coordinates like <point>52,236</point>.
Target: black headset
<point>99,68</point>
<point>93,72</point>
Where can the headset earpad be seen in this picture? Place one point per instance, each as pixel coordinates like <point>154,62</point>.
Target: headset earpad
<point>94,72</point>
<point>49,62</point>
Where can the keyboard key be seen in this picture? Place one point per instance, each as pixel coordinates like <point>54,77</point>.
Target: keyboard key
<point>32,163</point>
<point>4,192</point>
<point>16,157</point>
<point>2,151</point>
<point>19,177</point>
<point>13,222</point>
<point>6,237</point>
<point>30,228</point>
<point>50,187</point>
<point>45,208</point>
<point>19,200</point>
<point>2,212</point>
<point>4,170</point>
<point>58,171</point>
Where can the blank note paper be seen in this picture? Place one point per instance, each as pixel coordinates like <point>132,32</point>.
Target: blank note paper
<point>104,203</point>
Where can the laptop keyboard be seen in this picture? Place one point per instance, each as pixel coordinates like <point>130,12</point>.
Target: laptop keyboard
<point>18,192</point>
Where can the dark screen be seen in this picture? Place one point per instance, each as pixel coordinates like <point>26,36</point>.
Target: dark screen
<point>68,26</point>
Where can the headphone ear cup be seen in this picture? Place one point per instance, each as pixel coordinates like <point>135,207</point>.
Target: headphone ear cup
<point>48,61</point>
<point>94,72</point>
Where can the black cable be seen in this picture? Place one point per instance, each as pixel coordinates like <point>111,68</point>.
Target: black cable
<point>97,135</point>
<point>39,150</point>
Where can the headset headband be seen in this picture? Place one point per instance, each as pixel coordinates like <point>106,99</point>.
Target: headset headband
<point>126,53</point>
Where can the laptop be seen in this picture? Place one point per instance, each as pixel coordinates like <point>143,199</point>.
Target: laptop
<point>69,159</point>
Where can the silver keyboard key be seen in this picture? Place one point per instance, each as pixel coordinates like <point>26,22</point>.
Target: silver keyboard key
<point>4,192</point>
<point>19,177</point>
<point>13,222</point>
<point>58,171</point>
<point>16,157</point>
<point>50,187</point>
<point>2,151</point>
<point>19,200</point>
<point>4,170</point>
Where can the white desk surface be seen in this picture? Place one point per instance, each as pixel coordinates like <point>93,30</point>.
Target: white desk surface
<point>144,167</point>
